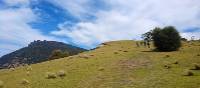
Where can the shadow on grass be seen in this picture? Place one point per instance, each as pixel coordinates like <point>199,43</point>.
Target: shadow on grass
<point>156,50</point>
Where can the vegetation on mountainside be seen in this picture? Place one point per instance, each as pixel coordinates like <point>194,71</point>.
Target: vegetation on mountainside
<point>119,64</point>
<point>56,54</point>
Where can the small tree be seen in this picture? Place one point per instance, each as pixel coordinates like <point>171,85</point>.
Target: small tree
<point>147,38</point>
<point>166,39</point>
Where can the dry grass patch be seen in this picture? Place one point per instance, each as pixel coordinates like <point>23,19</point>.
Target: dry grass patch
<point>133,63</point>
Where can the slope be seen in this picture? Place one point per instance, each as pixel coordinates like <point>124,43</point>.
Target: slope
<point>118,64</point>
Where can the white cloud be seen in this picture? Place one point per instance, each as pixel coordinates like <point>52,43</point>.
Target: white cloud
<point>15,32</point>
<point>127,19</point>
<point>75,7</point>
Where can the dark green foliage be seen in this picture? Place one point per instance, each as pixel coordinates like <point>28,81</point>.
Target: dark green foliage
<point>166,39</point>
<point>147,36</point>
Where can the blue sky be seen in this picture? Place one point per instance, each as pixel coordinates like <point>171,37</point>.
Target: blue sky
<point>87,23</point>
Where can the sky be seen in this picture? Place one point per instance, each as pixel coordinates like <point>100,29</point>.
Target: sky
<point>87,23</point>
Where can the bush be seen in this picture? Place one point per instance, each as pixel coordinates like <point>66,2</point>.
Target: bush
<point>61,73</point>
<point>50,75</point>
<point>1,84</point>
<point>166,39</point>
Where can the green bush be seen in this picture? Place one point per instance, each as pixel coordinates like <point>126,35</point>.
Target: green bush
<point>166,39</point>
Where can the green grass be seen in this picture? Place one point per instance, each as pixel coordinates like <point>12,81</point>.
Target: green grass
<point>130,67</point>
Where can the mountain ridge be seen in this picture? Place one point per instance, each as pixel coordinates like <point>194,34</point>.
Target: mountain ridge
<point>36,52</point>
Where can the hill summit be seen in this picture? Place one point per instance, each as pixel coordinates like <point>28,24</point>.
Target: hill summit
<point>35,52</point>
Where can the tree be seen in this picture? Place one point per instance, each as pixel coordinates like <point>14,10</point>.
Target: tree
<point>166,39</point>
<point>147,38</point>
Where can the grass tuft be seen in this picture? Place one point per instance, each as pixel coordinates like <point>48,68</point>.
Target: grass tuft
<point>29,68</point>
<point>61,73</point>
<point>25,82</point>
<point>50,75</point>
<point>28,73</point>
<point>12,69</point>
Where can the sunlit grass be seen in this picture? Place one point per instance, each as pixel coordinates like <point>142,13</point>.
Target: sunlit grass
<point>117,64</point>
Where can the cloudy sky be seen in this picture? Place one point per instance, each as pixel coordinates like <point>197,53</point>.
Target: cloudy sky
<point>86,23</point>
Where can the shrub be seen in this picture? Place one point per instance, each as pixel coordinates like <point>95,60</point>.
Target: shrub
<point>188,73</point>
<point>1,84</point>
<point>61,73</point>
<point>166,39</point>
<point>50,75</point>
<point>25,82</point>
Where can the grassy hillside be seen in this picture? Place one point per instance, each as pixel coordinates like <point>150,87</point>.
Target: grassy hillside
<point>117,64</point>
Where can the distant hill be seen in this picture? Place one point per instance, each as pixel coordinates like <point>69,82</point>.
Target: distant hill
<point>35,52</point>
